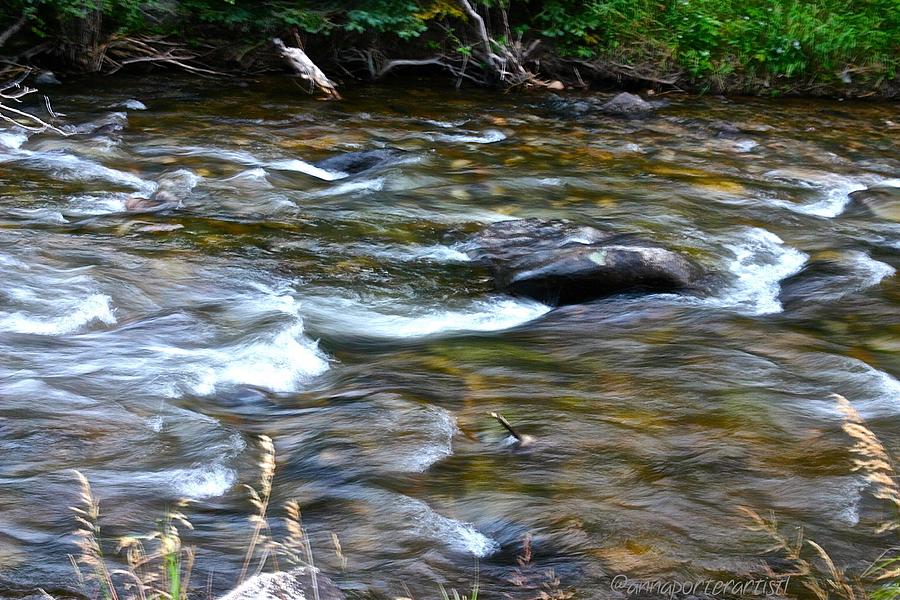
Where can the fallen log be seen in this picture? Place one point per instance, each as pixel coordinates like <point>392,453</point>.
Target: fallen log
<point>307,69</point>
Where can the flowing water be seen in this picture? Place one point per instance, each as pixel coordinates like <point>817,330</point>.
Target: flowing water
<point>338,315</point>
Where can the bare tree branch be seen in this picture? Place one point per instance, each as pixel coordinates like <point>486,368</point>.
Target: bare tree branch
<point>403,62</point>
<point>15,91</point>
<point>628,72</point>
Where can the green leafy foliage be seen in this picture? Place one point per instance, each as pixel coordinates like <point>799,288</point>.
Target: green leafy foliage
<point>751,40</point>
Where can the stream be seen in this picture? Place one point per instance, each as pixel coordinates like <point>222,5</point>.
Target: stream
<point>338,314</point>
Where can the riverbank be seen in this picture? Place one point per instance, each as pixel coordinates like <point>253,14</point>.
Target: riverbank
<point>829,49</point>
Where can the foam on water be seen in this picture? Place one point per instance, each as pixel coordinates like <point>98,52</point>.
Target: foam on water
<point>443,426</point>
<point>299,166</point>
<point>761,261</point>
<point>76,315</point>
<point>235,156</point>
<point>244,158</point>
<point>462,537</point>
<point>872,392</point>
<point>435,253</point>
<point>255,178</point>
<point>69,167</point>
<point>132,104</point>
<point>446,124</point>
<point>351,187</point>
<point>197,482</point>
<point>439,253</point>
<point>202,481</point>
<point>871,271</point>
<point>851,496</point>
<point>279,362</point>
<point>489,136</point>
<point>833,192</point>
<point>12,140</point>
<point>37,215</point>
<point>91,204</point>
<point>347,316</point>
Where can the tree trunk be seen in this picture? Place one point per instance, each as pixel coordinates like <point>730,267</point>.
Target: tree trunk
<point>83,47</point>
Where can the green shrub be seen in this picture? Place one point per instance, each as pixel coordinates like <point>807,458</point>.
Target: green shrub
<point>759,41</point>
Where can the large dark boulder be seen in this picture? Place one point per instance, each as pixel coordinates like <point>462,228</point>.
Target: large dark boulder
<point>557,263</point>
<point>880,200</point>
<point>353,163</point>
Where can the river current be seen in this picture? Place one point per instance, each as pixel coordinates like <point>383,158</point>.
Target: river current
<point>340,316</point>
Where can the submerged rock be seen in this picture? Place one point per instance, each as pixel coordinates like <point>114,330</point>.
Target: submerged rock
<point>626,104</point>
<point>298,584</point>
<point>568,107</point>
<point>171,189</point>
<point>46,78</point>
<point>353,163</point>
<point>557,263</point>
<point>146,205</point>
<point>623,104</point>
<point>880,200</point>
<point>817,280</point>
<point>106,125</point>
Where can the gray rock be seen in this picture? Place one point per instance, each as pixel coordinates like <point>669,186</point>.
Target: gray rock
<point>626,104</point>
<point>298,584</point>
<point>568,107</point>
<point>171,189</point>
<point>46,78</point>
<point>354,163</point>
<point>880,200</point>
<point>557,263</point>
<point>822,280</point>
<point>106,125</point>
<point>158,202</point>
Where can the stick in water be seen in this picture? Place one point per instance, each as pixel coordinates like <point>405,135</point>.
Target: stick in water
<point>520,438</point>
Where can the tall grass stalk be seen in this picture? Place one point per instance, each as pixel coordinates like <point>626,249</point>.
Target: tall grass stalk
<point>90,555</point>
<point>260,500</point>
<point>820,575</point>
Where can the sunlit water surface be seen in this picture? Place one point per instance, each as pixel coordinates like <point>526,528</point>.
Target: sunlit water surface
<point>339,316</point>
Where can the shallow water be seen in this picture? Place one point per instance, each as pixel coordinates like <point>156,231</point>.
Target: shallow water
<point>339,316</point>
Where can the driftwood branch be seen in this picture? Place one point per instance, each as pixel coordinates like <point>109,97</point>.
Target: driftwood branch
<point>610,68</point>
<point>307,69</point>
<point>14,91</point>
<point>123,51</point>
<point>377,66</point>
<point>403,62</point>
<point>440,61</point>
